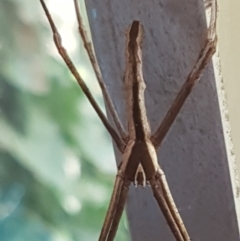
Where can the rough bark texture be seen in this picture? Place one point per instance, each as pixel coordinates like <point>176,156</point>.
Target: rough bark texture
<point>193,154</point>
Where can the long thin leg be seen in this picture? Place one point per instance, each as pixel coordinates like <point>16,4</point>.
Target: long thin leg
<point>205,55</point>
<point>115,208</point>
<point>90,50</point>
<point>158,194</point>
<point>207,3</point>
<point>161,187</point>
<point>119,211</point>
<point>62,51</point>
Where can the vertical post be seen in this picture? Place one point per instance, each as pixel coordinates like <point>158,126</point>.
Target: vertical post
<point>193,154</point>
<point>229,49</point>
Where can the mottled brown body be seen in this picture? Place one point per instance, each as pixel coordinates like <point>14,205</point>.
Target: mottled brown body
<point>138,146</point>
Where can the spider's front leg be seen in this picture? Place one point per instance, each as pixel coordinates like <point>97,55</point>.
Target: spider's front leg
<point>158,182</point>
<point>203,59</point>
<point>90,51</point>
<point>63,52</point>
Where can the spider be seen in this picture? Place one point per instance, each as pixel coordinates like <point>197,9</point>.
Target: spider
<point>138,146</point>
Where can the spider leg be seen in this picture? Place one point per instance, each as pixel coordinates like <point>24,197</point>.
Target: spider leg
<point>203,59</point>
<point>62,51</point>
<point>115,208</point>
<point>207,3</point>
<point>90,50</point>
<point>166,203</point>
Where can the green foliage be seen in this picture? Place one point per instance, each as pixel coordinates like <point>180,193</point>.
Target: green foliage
<point>56,159</point>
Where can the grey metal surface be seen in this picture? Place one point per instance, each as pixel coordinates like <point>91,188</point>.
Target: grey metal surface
<point>193,154</point>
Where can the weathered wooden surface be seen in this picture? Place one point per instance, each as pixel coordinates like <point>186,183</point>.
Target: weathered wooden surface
<point>193,154</point>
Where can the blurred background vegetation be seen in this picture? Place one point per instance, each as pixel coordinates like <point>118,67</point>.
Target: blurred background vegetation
<point>56,159</point>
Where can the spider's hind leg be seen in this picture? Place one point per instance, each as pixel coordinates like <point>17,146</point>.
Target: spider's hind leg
<point>167,205</point>
<point>115,208</point>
